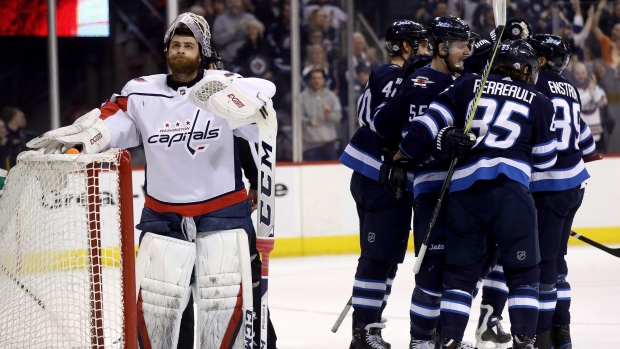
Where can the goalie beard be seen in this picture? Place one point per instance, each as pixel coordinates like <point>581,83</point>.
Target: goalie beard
<point>183,65</point>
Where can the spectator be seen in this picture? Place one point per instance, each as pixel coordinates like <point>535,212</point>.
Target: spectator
<point>317,60</point>
<point>216,8</point>
<point>610,83</point>
<point>593,99</point>
<point>279,37</point>
<point>484,21</point>
<point>318,19</point>
<point>610,18</point>
<point>335,15</point>
<point>320,115</point>
<point>359,58</point>
<point>577,32</point>
<point>610,46</point>
<point>16,136</point>
<point>229,30</point>
<point>255,58</point>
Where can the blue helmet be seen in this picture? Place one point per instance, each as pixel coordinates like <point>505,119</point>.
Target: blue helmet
<point>447,29</point>
<point>516,55</point>
<point>404,30</point>
<point>555,49</point>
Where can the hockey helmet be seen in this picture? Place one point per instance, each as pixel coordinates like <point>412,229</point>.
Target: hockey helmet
<point>555,49</point>
<point>404,30</point>
<point>482,48</point>
<point>198,27</point>
<point>448,29</point>
<point>516,55</point>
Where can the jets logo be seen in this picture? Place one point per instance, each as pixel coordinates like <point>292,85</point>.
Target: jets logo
<point>195,135</point>
<point>421,81</point>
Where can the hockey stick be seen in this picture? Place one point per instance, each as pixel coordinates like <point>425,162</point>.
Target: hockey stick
<point>267,129</point>
<point>594,157</point>
<point>342,315</point>
<point>612,251</point>
<point>267,124</point>
<point>499,11</point>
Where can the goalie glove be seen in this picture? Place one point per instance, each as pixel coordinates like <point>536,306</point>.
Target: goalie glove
<point>237,100</point>
<point>393,175</point>
<point>453,143</point>
<point>88,132</point>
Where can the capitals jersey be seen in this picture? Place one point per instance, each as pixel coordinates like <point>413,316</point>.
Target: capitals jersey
<point>393,119</point>
<point>363,153</point>
<point>192,166</point>
<point>513,125</point>
<point>574,139</point>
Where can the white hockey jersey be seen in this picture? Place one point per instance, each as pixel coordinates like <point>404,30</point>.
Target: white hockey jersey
<point>191,166</point>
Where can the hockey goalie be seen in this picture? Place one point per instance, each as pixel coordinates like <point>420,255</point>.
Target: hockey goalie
<point>195,224</point>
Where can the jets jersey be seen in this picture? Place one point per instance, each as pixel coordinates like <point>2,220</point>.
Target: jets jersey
<point>574,139</point>
<point>513,125</point>
<point>393,118</point>
<point>363,153</point>
<point>192,167</point>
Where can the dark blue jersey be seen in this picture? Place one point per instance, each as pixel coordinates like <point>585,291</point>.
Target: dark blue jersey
<point>513,125</point>
<point>393,118</point>
<point>363,153</point>
<point>573,136</point>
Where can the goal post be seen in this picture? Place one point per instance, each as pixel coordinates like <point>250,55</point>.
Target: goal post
<point>67,277</point>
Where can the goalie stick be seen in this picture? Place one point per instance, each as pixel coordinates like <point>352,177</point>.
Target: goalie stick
<point>499,12</point>
<point>267,124</point>
<point>612,251</point>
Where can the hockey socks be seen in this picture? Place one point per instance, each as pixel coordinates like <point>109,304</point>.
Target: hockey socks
<point>455,309</point>
<point>523,310</point>
<point>424,313</point>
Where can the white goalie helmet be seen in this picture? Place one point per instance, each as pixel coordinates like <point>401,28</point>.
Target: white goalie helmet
<point>198,26</point>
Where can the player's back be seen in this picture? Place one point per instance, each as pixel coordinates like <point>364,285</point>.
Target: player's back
<point>574,139</point>
<point>363,153</point>
<point>512,124</point>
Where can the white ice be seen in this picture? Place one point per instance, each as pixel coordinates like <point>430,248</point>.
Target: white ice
<point>306,295</point>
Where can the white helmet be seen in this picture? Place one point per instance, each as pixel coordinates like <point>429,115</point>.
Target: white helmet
<point>198,26</point>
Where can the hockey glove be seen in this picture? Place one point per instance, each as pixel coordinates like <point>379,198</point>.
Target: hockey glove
<point>393,175</point>
<point>453,143</point>
<point>88,131</point>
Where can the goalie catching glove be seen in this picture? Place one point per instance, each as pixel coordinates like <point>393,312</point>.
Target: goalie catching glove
<point>88,132</point>
<point>237,100</point>
<point>393,175</point>
<point>453,143</point>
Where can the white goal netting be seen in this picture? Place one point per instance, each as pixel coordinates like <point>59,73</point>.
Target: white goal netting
<point>63,276</point>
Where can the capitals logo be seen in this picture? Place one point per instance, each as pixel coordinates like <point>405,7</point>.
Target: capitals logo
<point>194,137</point>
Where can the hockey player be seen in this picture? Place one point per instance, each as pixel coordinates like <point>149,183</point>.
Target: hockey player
<point>196,220</point>
<point>558,191</point>
<point>489,190</point>
<point>385,221</point>
<point>451,42</point>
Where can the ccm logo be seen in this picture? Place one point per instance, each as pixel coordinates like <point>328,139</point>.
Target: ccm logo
<point>97,137</point>
<point>249,330</point>
<point>236,100</point>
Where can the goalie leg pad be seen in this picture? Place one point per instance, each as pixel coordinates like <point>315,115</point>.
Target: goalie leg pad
<point>163,270</point>
<point>223,290</point>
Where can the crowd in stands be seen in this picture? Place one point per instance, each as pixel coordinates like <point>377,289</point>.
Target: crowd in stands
<point>253,38</point>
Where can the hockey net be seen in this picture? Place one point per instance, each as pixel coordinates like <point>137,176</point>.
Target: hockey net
<point>67,255</point>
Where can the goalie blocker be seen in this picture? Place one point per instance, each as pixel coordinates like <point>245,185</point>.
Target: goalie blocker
<point>222,289</point>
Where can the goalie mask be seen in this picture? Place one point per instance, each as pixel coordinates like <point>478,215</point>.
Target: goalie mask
<point>199,29</point>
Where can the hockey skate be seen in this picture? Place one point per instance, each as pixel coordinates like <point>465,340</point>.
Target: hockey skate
<point>420,344</point>
<point>490,330</point>
<point>561,337</point>
<point>452,344</point>
<point>368,337</point>
<point>543,341</point>
<point>522,342</point>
